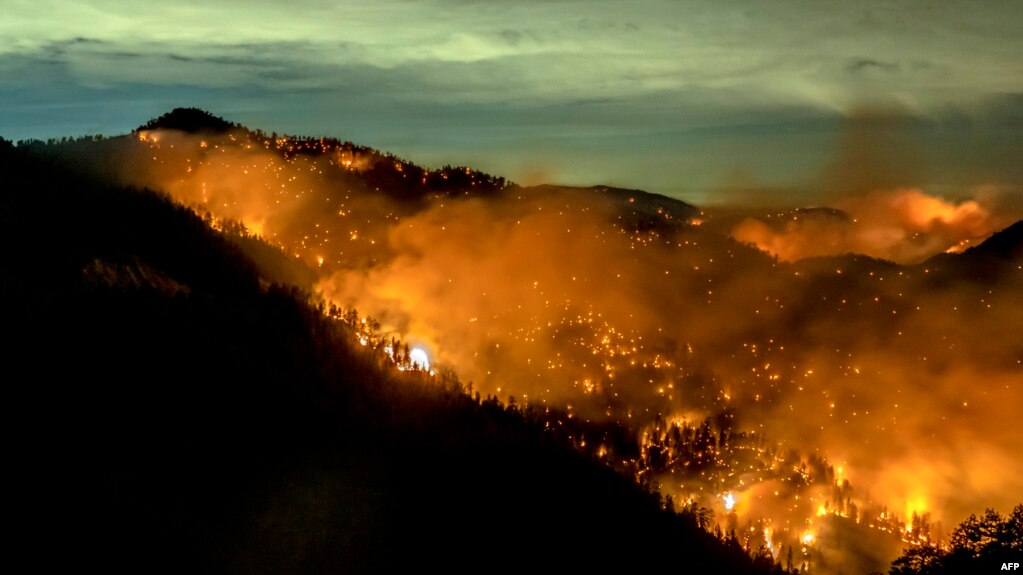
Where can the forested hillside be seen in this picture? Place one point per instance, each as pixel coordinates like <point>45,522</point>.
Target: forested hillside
<point>175,410</point>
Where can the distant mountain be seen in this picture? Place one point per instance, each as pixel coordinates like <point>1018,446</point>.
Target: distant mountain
<point>637,210</point>
<point>813,214</point>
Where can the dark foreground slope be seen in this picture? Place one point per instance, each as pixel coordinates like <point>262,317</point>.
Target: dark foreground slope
<point>169,410</point>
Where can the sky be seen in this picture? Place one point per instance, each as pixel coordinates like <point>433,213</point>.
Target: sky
<point>696,99</point>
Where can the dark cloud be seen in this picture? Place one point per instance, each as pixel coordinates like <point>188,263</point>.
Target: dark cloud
<point>512,37</point>
<point>862,64</point>
<point>669,97</point>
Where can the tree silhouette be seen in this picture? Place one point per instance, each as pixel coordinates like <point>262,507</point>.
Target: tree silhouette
<point>975,545</point>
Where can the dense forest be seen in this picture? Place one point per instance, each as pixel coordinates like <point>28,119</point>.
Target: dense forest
<point>175,409</point>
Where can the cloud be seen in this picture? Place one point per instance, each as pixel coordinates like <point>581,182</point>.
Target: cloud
<point>667,96</point>
<point>689,46</point>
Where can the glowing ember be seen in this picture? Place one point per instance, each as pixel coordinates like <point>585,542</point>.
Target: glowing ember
<point>729,500</point>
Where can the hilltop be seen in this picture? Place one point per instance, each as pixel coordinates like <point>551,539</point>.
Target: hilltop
<point>190,120</point>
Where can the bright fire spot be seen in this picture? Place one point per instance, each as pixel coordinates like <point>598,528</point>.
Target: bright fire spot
<point>729,501</point>
<point>916,505</point>
<point>419,358</point>
<point>807,538</point>
<point>254,226</point>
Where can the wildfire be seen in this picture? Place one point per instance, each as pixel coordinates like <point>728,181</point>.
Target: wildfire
<point>607,333</point>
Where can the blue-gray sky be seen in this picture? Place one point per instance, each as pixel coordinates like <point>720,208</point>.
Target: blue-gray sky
<point>689,98</point>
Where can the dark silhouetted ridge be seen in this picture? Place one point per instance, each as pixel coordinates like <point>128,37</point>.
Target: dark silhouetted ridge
<point>1006,244</point>
<point>984,262</point>
<point>191,120</point>
<point>822,215</point>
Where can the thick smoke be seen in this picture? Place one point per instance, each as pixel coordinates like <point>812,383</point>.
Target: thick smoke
<point>903,225</point>
<point>876,200</point>
<point>905,376</point>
